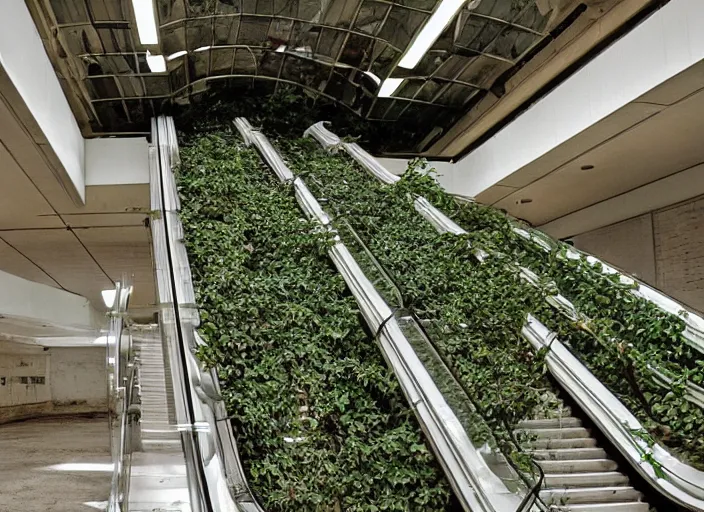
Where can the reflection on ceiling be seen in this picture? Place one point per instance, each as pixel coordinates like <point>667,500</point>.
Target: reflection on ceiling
<point>340,50</point>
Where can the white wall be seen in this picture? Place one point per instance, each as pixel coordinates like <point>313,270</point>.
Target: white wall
<point>34,301</point>
<point>78,375</point>
<point>667,43</point>
<point>24,59</point>
<point>117,161</point>
<point>75,380</point>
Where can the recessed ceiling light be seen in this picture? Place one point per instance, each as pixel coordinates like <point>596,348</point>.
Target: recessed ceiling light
<point>389,87</point>
<point>587,167</point>
<point>430,32</point>
<point>146,22</point>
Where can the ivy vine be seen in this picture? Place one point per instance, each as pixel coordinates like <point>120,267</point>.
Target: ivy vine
<point>319,418</point>
<point>476,310</point>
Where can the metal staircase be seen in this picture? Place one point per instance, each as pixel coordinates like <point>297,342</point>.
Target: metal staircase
<point>579,475</point>
<point>158,480</point>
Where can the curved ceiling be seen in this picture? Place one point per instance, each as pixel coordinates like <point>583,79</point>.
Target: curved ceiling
<point>335,49</point>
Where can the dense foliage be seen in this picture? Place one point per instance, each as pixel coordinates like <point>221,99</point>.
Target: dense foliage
<point>319,418</point>
<point>473,312</point>
<point>477,310</point>
<point>625,338</point>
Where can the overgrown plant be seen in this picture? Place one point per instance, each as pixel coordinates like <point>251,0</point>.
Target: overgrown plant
<point>478,310</point>
<point>474,312</point>
<point>320,420</point>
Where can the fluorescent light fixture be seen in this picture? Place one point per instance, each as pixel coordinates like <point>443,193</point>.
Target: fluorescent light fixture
<point>388,88</point>
<point>146,23</point>
<point>371,75</point>
<point>109,297</point>
<point>156,63</point>
<point>430,32</point>
<point>176,55</point>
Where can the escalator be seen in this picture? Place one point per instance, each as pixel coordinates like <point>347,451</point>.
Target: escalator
<point>560,456</point>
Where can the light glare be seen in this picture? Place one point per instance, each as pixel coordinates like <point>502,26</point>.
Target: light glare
<point>146,23</point>
<point>389,87</point>
<point>156,63</point>
<point>430,32</point>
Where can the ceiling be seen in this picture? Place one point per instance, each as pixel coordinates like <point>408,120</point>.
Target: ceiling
<point>337,50</point>
<point>656,136</point>
<point>46,238</point>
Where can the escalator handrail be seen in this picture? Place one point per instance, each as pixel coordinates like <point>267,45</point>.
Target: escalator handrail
<point>215,473</point>
<point>121,397</point>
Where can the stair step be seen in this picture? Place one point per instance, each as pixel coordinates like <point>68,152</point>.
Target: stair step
<point>606,478</point>
<point>589,495</point>
<point>569,454</point>
<point>564,422</point>
<point>631,506</point>
<point>558,444</point>
<point>555,433</point>
<point>577,466</point>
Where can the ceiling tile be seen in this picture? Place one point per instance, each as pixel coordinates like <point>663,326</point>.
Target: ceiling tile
<point>124,251</point>
<point>62,256</point>
<point>12,262</point>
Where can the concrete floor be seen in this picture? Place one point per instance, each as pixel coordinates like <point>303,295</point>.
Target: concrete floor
<point>77,448</point>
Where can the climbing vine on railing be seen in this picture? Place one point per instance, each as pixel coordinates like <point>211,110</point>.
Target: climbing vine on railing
<point>474,312</point>
<point>320,420</point>
<point>477,310</point>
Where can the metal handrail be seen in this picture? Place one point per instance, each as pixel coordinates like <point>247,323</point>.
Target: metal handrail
<point>121,389</point>
<point>408,315</point>
<point>215,475</point>
<point>684,484</point>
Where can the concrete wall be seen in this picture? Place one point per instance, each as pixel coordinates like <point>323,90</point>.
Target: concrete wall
<point>35,381</point>
<point>78,375</point>
<point>16,364</point>
<point>664,248</point>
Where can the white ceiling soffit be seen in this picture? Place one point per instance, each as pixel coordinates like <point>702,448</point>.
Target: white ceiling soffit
<point>625,167</point>
<point>667,43</point>
<point>31,90</point>
<point>32,309</point>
